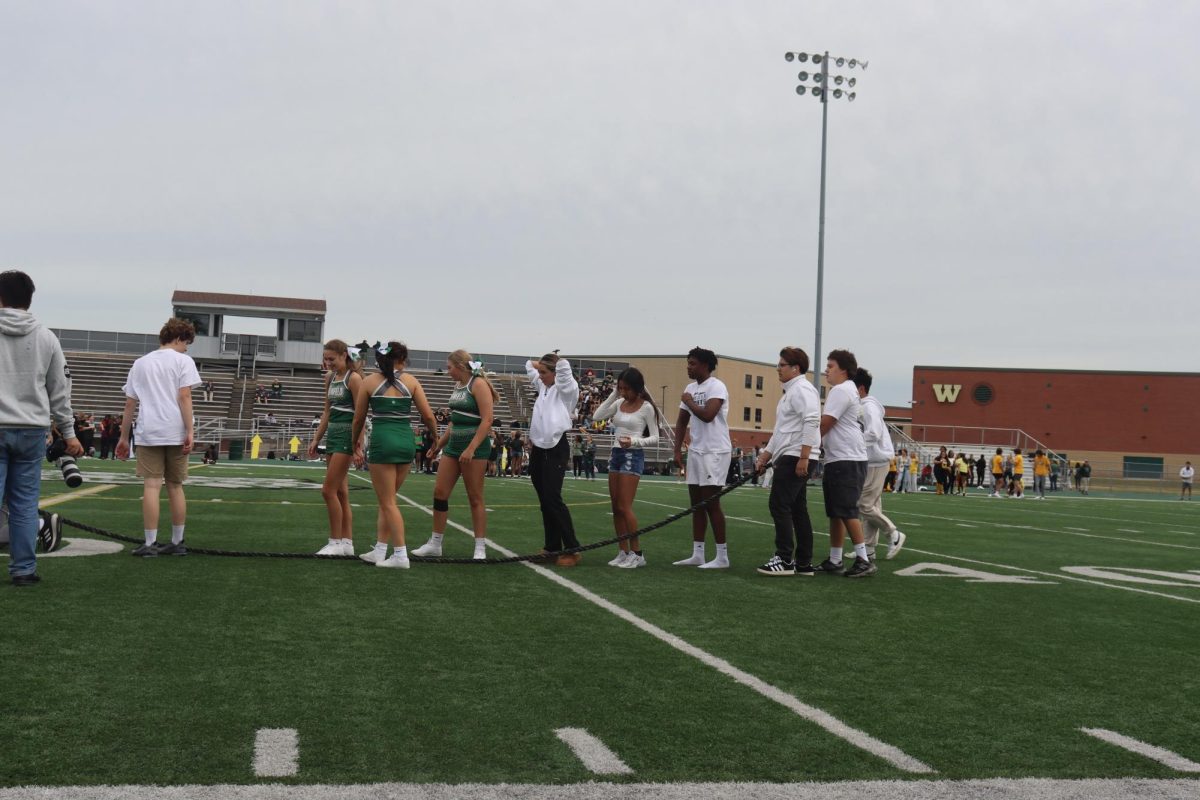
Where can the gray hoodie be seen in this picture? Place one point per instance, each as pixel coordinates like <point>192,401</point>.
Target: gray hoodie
<point>34,381</point>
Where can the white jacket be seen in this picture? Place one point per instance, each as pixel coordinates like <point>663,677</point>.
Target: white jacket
<point>875,433</point>
<point>797,420</point>
<point>555,406</point>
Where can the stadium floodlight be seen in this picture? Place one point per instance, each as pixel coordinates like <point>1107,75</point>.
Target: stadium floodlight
<point>820,89</point>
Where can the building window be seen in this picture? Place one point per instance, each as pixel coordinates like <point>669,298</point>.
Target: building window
<point>746,414</point>
<point>747,381</point>
<point>983,393</point>
<point>758,415</point>
<point>758,383</point>
<point>300,330</point>
<point>1143,467</point>
<point>199,321</point>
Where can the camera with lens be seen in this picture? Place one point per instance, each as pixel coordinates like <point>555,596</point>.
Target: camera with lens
<point>56,454</point>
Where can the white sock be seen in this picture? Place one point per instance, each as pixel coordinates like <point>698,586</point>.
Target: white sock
<point>176,534</point>
<point>401,552</point>
<point>723,552</point>
<point>480,546</point>
<point>436,538</point>
<point>151,535</point>
<point>835,555</point>
<point>860,551</point>
<point>698,548</point>
<point>335,542</point>
<point>381,547</point>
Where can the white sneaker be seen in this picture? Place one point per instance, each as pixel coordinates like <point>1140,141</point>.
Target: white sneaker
<point>694,561</point>
<point>347,547</point>
<point>331,550</point>
<point>897,544</point>
<point>633,562</point>
<point>373,556</point>
<point>395,561</point>
<point>716,563</point>
<point>480,554</point>
<point>619,561</point>
<point>429,549</point>
<point>993,494</point>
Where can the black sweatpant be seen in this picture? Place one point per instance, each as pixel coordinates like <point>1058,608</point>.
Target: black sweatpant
<point>547,469</point>
<point>789,509</point>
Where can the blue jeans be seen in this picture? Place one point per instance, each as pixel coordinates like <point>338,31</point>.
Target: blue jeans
<point>21,454</point>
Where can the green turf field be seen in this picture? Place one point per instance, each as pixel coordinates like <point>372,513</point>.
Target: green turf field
<point>161,671</point>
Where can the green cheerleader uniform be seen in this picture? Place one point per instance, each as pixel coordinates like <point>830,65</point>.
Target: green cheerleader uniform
<point>392,440</point>
<point>464,424</point>
<point>338,434</point>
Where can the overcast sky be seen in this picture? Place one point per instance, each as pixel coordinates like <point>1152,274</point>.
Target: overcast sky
<point>1015,185</point>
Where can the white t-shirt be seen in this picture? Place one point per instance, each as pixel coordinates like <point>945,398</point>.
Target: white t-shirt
<point>154,381</point>
<point>844,442</point>
<point>1187,473</point>
<point>709,437</point>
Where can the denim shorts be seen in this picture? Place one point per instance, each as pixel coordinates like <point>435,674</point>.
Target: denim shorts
<point>627,461</point>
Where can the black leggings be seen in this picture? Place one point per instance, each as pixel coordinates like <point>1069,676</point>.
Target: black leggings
<point>547,469</point>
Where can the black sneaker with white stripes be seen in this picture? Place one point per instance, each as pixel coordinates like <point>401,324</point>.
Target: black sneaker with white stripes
<point>777,566</point>
<point>49,531</point>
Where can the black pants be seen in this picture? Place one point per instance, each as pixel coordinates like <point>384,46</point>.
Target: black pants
<point>577,465</point>
<point>547,469</point>
<point>789,509</point>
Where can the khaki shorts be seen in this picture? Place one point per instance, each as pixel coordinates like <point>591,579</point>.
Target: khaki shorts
<point>162,461</point>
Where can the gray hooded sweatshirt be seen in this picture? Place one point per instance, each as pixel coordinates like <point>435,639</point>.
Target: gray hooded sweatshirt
<point>34,381</point>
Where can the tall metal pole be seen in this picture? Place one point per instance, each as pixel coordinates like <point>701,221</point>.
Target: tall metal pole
<point>817,358</point>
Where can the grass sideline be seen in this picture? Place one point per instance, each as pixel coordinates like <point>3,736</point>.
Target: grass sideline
<point>160,671</point>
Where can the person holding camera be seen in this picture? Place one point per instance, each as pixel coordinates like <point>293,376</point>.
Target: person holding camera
<point>34,388</point>
<point>159,388</point>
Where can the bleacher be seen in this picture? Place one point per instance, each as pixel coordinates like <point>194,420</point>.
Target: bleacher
<point>97,381</point>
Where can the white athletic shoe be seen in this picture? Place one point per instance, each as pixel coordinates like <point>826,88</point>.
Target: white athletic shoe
<point>480,554</point>
<point>619,561</point>
<point>716,563</point>
<point>331,550</point>
<point>429,549</point>
<point>993,494</point>
<point>633,562</point>
<point>372,556</point>
<point>897,544</point>
<point>394,561</point>
<point>694,561</point>
<point>347,547</point>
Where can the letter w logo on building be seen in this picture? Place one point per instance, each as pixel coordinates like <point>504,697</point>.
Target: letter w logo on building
<point>946,393</point>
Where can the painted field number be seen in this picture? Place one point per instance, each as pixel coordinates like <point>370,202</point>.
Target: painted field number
<point>929,569</point>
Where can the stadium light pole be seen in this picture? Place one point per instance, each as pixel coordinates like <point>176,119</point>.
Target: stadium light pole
<point>819,88</point>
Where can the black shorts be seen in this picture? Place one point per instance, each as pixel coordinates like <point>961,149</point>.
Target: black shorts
<point>843,484</point>
<point>997,477</point>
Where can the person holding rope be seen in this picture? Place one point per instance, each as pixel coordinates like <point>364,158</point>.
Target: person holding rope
<point>704,407</point>
<point>796,437</point>
<point>636,421</point>
<point>558,394</point>
<point>342,383</point>
<point>389,398</point>
<point>465,450</point>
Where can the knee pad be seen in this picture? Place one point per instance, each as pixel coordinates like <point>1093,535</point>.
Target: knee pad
<point>441,505</point>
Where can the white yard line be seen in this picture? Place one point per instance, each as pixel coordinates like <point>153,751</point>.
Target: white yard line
<point>1165,757</point>
<point>593,752</point>
<point>1129,530</point>
<point>1058,575</point>
<point>1186,533</point>
<point>1008,526</point>
<point>276,752</point>
<point>991,789</point>
<point>830,723</point>
<point>1082,530</point>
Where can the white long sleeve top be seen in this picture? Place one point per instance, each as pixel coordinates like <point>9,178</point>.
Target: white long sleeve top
<point>554,406</point>
<point>875,433</point>
<point>632,425</point>
<point>797,420</point>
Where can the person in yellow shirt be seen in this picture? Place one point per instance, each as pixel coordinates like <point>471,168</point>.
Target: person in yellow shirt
<point>964,470</point>
<point>1017,489</point>
<point>1041,471</point>
<point>889,480</point>
<point>997,473</point>
<point>914,469</point>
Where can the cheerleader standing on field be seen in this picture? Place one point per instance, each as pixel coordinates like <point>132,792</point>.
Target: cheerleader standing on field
<point>465,449</point>
<point>389,397</point>
<point>342,382</point>
<point>636,420</point>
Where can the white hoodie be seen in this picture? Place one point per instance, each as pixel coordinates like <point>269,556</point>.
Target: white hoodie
<point>554,406</point>
<point>875,433</point>
<point>34,380</point>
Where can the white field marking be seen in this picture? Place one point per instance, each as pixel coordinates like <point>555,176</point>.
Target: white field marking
<point>824,719</point>
<point>1054,575</point>
<point>592,752</point>
<point>1041,512</point>
<point>1084,530</point>
<point>1186,533</point>
<point>276,752</point>
<point>1165,757</point>
<point>965,525</point>
<point>990,788</point>
<point>1052,530</point>
<point>64,498</point>
<point>1130,575</point>
<point>1129,530</point>
<point>83,547</point>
